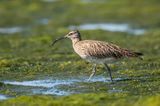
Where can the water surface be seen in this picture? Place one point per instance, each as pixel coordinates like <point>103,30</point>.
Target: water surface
<point>11,30</point>
<point>3,97</point>
<point>49,0</point>
<point>57,86</point>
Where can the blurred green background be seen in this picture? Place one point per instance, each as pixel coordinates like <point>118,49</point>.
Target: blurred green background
<point>27,28</point>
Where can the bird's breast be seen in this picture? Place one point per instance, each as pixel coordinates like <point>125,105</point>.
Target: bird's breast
<point>79,50</point>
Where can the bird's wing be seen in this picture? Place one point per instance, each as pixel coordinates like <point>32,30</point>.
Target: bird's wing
<point>102,49</point>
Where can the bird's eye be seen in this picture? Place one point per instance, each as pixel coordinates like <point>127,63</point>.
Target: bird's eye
<point>70,33</point>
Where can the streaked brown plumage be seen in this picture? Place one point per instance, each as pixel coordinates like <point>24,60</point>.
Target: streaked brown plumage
<point>98,52</point>
<point>102,50</point>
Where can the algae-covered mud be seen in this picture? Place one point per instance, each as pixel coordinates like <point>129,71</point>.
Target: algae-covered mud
<point>34,73</point>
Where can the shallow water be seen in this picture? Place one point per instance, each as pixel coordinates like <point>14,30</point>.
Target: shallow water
<point>11,30</point>
<point>91,1</point>
<point>3,97</point>
<point>43,21</point>
<point>49,0</point>
<point>113,27</point>
<point>56,86</point>
<point>26,29</point>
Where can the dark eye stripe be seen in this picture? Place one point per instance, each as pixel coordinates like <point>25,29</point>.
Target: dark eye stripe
<point>72,33</point>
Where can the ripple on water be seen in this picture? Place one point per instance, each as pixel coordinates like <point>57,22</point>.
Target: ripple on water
<point>49,86</point>
<point>41,83</point>
<point>56,92</point>
<point>113,27</point>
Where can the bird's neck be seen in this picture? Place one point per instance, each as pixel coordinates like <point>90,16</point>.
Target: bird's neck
<point>75,40</point>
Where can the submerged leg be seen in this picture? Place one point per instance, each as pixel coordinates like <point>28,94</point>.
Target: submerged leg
<point>93,71</point>
<point>109,70</point>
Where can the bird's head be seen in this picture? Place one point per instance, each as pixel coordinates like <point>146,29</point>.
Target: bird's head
<point>73,35</point>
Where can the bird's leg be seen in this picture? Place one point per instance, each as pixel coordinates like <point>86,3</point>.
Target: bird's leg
<point>109,70</point>
<point>93,71</point>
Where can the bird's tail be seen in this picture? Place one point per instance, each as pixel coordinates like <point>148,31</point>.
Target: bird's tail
<point>138,54</point>
<point>133,54</point>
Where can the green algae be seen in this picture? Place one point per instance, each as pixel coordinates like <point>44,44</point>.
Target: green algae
<point>84,100</point>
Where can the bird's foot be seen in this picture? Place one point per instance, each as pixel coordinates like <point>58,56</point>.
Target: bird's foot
<point>112,81</point>
<point>89,79</point>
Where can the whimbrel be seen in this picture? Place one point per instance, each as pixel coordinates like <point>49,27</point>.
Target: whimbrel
<point>98,52</point>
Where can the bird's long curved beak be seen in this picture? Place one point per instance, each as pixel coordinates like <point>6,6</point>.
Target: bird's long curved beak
<point>58,39</point>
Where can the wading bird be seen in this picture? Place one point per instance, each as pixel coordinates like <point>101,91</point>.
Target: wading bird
<point>98,52</point>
